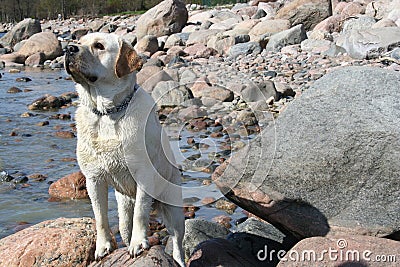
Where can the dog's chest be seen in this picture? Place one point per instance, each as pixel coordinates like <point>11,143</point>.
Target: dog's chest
<point>101,140</point>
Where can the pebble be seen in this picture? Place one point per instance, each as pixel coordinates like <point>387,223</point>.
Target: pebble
<point>226,205</point>
<point>14,71</point>
<point>43,123</point>
<point>223,220</point>
<point>27,114</point>
<point>23,79</point>
<point>65,134</point>
<point>208,200</point>
<point>37,177</point>
<point>14,90</point>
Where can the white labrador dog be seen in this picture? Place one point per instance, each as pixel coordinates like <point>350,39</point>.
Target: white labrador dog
<point>121,143</point>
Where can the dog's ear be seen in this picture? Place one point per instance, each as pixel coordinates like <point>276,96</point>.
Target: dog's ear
<point>128,60</point>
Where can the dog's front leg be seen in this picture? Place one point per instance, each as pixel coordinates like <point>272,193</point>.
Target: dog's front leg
<point>141,216</point>
<point>98,193</point>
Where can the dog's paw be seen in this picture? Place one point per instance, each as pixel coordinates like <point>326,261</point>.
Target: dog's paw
<point>137,247</point>
<point>102,249</point>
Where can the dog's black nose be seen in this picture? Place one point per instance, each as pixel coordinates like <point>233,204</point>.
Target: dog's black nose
<point>71,49</point>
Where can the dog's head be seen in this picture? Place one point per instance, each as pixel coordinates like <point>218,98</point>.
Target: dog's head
<point>99,58</point>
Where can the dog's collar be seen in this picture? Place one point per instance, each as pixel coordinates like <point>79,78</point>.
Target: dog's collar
<point>118,108</point>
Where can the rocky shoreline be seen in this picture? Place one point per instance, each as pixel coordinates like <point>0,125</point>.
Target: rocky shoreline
<point>303,98</point>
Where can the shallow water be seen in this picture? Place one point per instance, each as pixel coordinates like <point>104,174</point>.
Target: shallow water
<point>35,149</point>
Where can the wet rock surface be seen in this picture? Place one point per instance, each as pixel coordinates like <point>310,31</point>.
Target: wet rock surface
<point>60,242</point>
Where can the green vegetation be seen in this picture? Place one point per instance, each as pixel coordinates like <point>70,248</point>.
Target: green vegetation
<point>17,10</point>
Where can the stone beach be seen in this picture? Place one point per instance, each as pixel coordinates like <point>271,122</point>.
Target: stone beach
<point>292,106</point>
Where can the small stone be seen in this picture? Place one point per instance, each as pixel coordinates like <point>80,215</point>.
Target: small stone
<point>207,182</point>
<point>42,123</point>
<point>190,215</point>
<point>191,141</point>
<point>23,79</point>
<point>20,180</point>
<point>14,90</point>
<point>207,200</point>
<point>228,206</point>
<point>14,71</point>
<point>27,115</point>
<point>13,133</point>
<point>72,186</point>
<point>37,177</point>
<point>65,134</point>
<point>223,220</point>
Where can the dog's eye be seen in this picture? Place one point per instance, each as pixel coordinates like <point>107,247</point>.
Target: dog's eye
<point>99,46</point>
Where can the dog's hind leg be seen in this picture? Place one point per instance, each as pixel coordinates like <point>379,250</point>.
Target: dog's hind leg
<point>175,222</point>
<point>126,205</point>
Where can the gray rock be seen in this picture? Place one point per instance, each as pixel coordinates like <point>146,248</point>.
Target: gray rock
<point>191,112</point>
<point>4,51</point>
<point>311,44</point>
<point>170,93</point>
<point>205,25</point>
<point>294,35</point>
<point>253,92</point>
<point>359,24</point>
<point>151,81</point>
<point>197,231</point>
<point>262,229</point>
<point>395,53</point>
<point>168,17</point>
<point>188,77</point>
<point>23,30</point>
<point>148,43</point>
<point>222,43</point>
<point>252,48</point>
<point>220,252</point>
<point>201,37</point>
<point>370,43</point>
<point>176,39</point>
<point>259,14</point>
<point>253,236</point>
<point>306,12</point>
<point>334,50</point>
<point>43,42</point>
<point>96,24</point>
<point>330,164</point>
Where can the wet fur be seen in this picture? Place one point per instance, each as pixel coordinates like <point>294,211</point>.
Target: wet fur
<point>104,78</point>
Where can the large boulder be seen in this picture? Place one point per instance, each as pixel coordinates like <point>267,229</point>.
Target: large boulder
<point>294,35</point>
<point>330,164</point>
<point>153,257</point>
<point>306,12</point>
<point>43,42</point>
<point>270,26</point>
<point>166,18</point>
<point>22,31</point>
<point>60,242</point>
<point>369,43</point>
